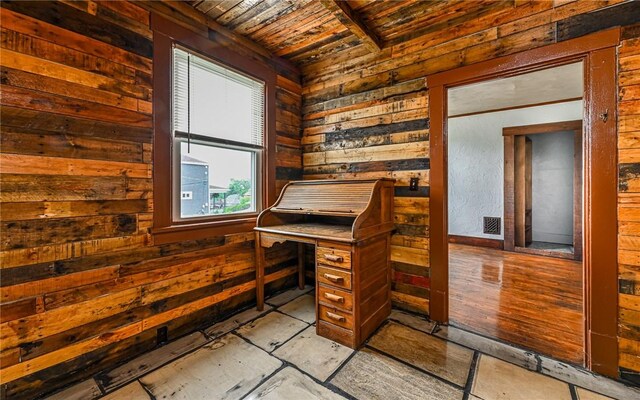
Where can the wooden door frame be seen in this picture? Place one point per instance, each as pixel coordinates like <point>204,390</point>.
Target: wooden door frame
<point>598,53</point>
<point>509,185</point>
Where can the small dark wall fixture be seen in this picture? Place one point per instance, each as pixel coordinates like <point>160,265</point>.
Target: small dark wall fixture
<point>413,184</point>
<point>491,225</point>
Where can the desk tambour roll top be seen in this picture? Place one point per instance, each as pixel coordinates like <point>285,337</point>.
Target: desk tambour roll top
<point>343,210</point>
<point>349,223</point>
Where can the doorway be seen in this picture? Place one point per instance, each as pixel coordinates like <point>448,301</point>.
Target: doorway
<point>598,53</point>
<point>514,167</point>
<point>543,189</point>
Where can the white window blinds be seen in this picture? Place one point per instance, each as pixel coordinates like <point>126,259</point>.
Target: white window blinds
<point>210,100</point>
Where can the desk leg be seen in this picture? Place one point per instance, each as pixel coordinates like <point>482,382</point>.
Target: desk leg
<point>301,261</point>
<point>259,273</point>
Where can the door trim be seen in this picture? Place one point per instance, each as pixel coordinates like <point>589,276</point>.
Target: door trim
<point>598,53</point>
<point>509,133</point>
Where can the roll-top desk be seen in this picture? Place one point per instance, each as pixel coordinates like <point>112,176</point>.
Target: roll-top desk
<point>349,222</point>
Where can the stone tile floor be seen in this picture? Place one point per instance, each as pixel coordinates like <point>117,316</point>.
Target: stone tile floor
<point>275,354</point>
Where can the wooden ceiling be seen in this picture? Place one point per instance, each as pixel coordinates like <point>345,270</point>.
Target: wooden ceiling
<point>305,30</point>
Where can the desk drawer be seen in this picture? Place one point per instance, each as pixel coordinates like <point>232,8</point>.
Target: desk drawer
<point>337,334</point>
<point>335,297</point>
<point>335,257</point>
<point>337,317</point>
<point>334,277</point>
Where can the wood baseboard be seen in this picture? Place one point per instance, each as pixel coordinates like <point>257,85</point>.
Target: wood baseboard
<point>479,242</point>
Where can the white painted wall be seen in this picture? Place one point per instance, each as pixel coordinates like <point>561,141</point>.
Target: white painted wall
<point>476,162</point>
<point>552,170</point>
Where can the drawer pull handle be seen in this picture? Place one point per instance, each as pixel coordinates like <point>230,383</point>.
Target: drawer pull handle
<point>336,317</point>
<point>333,278</point>
<point>333,297</point>
<point>334,258</point>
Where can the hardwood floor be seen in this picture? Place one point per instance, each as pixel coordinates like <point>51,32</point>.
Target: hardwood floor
<point>531,301</point>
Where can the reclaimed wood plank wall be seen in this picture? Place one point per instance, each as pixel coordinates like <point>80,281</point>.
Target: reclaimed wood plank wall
<point>629,200</point>
<point>365,114</point>
<point>82,284</point>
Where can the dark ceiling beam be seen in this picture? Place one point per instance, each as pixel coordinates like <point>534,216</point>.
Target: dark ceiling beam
<point>352,21</point>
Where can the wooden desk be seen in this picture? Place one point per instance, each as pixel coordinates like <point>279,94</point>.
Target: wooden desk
<point>349,222</point>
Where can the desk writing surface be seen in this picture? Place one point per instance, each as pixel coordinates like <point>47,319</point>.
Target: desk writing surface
<point>315,230</point>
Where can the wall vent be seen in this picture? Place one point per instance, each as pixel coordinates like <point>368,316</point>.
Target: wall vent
<point>491,225</point>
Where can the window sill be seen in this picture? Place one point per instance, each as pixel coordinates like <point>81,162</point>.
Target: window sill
<point>202,230</point>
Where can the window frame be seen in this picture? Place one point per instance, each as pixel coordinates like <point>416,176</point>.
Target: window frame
<point>166,36</point>
<point>200,139</point>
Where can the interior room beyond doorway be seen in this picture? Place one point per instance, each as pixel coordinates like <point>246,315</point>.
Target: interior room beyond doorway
<point>515,187</point>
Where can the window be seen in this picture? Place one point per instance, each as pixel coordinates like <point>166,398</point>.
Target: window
<point>214,134</point>
<point>218,131</point>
